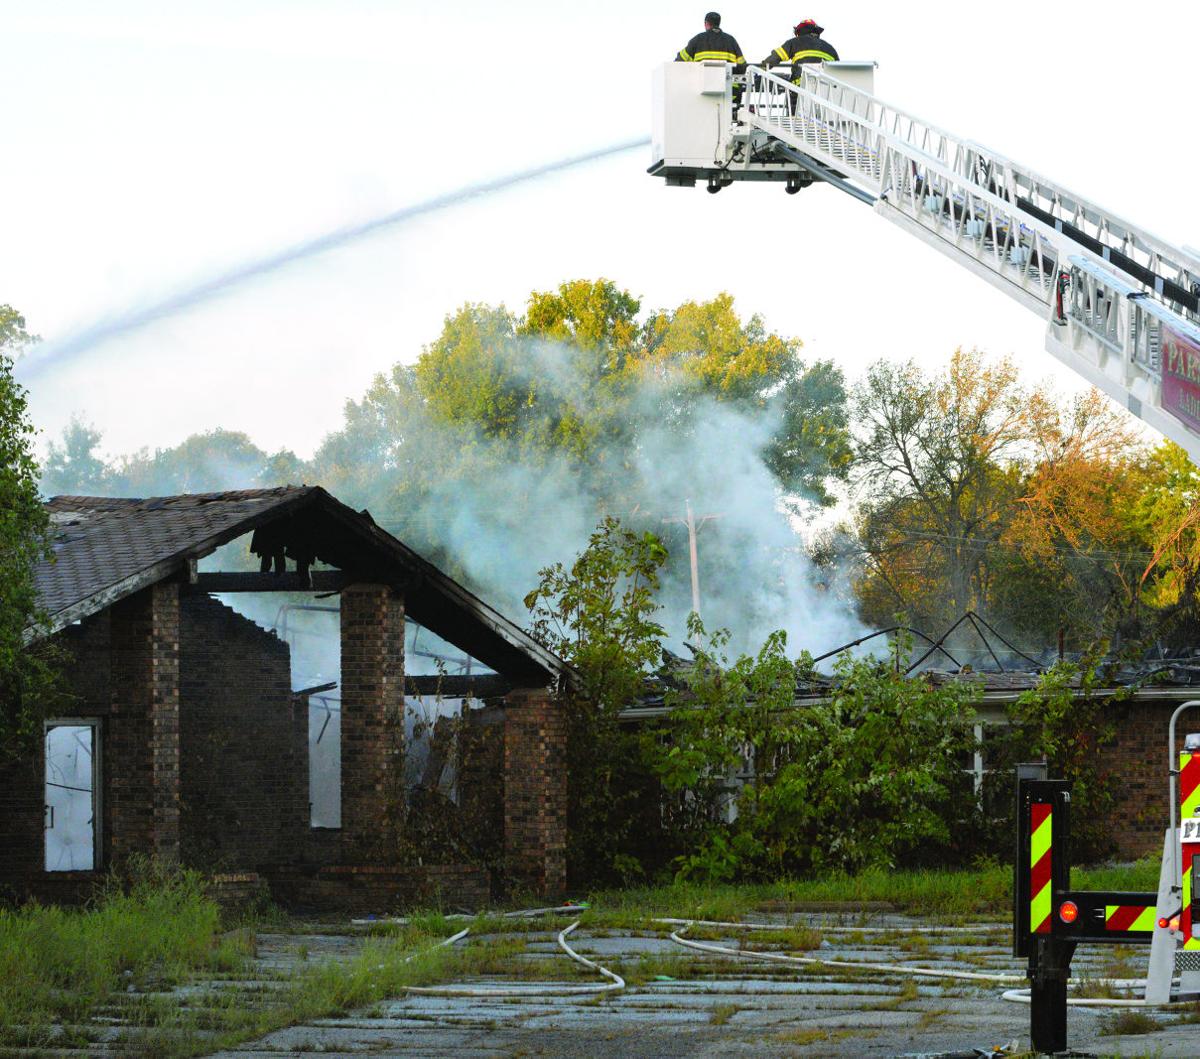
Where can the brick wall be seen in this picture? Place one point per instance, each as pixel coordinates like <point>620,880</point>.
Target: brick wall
<point>480,783</point>
<point>21,793</point>
<point>141,740</point>
<point>535,793</point>
<point>244,775</point>
<point>372,633</point>
<point>1138,760</point>
<point>123,667</point>
<point>382,889</point>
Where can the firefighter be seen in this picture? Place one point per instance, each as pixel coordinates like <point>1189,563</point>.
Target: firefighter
<point>714,43</point>
<point>805,46</point>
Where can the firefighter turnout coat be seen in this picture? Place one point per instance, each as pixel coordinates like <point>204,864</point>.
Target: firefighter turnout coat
<point>806,48</point>
<point>711,44</point>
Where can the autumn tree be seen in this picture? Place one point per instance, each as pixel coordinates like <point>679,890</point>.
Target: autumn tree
<point>937,470</point>
<point>1166,517</point>
<point>980,493</point>
<point>1072,548</point>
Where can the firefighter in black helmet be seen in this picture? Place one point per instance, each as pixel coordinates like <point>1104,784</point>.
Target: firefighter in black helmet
<point>715,43</point>
<point>805,46</point>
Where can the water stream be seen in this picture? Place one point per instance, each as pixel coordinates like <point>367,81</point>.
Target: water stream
<point>56,352</point>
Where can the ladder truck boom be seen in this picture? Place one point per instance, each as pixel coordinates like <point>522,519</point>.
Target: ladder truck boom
<point>1121,305</point>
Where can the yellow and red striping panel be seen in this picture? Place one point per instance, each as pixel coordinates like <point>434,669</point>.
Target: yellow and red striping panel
<point>1129,917</point>
<point>1189,803</point>
<point>1041,853</point>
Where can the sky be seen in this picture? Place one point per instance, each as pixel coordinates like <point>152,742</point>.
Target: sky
<point>151,145</point>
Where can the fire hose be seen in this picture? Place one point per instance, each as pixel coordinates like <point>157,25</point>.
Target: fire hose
<point>1016,996</point>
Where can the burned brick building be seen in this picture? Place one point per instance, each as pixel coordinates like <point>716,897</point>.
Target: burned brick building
<point>186,740</point>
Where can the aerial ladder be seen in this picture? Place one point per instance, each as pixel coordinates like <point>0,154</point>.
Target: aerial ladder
<point>1121,306</point>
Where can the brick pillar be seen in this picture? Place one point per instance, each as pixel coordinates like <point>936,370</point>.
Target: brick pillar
<point>535,792</point>
<point>372,721</point>
<point>140,747</point>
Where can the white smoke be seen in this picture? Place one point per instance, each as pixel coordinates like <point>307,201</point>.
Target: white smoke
<point>511,512</point>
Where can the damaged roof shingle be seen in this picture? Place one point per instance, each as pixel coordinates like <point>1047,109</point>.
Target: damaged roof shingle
<point>106,548</point>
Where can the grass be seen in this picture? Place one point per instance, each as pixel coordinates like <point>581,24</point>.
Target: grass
<point>1141,875</point>
<point>908,993</point>
<point>59,966</point>
<point>1129,1022</point>
<point>118,960</point>
<point>722,1013</point>
<point>952,895</point>
<point>930,1018</point>
<point>63,970</point>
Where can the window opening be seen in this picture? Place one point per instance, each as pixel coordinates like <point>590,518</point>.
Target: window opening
<point>325,761</point>
<point>72,838</point>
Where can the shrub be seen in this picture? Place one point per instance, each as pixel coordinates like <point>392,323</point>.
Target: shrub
<point>858,779</point>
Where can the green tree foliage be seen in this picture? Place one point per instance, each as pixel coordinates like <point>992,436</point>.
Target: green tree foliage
<point>202,463</point>
<point>868,776</point>
<point>598,614</point>
<point>213,461</point>
<point>14,338</point>
<point>577,375</point>
<point>1066,721</point>
<point>29,681</point>
<point>73,467</point>
<point>865,777</point>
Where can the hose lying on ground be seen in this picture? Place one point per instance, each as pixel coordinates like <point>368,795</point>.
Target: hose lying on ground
<point>521,989</point>
<point>616,982</point>
<point>779,957</point>
<point>1016,996</point>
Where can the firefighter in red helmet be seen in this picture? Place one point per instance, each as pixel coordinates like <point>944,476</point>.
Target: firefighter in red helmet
<point>805,46</point>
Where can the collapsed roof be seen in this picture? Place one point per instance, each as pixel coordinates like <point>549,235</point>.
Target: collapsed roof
<point>108,548</point>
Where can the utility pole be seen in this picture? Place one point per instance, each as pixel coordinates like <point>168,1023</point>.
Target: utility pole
<point>693,527</point>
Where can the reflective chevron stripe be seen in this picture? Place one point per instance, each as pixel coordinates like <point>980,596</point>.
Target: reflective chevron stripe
<point>1129,917</point>
<point>1041,825</point>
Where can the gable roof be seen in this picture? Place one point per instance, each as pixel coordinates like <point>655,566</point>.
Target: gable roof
<point>107,548</point>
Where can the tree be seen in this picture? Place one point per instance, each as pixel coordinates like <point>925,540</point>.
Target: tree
<point>599,615</point>
<point>1165,519</point>
<point>938,465</point>
<point>864,777</point>
<point>29,679</point>
<point>703,351</point>
<point>471,373</point>
<point>980,493</point>
<point>14,338</point>
<point>283,468</point>
<point>1073,536</point>
<point>73,468</point>
<point>573,409</point>
<point>214,461</point>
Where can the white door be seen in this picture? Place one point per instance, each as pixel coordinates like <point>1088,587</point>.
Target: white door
<point>71,771</point>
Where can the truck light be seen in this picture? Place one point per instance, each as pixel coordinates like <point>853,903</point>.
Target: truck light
<point>1068,912</point>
